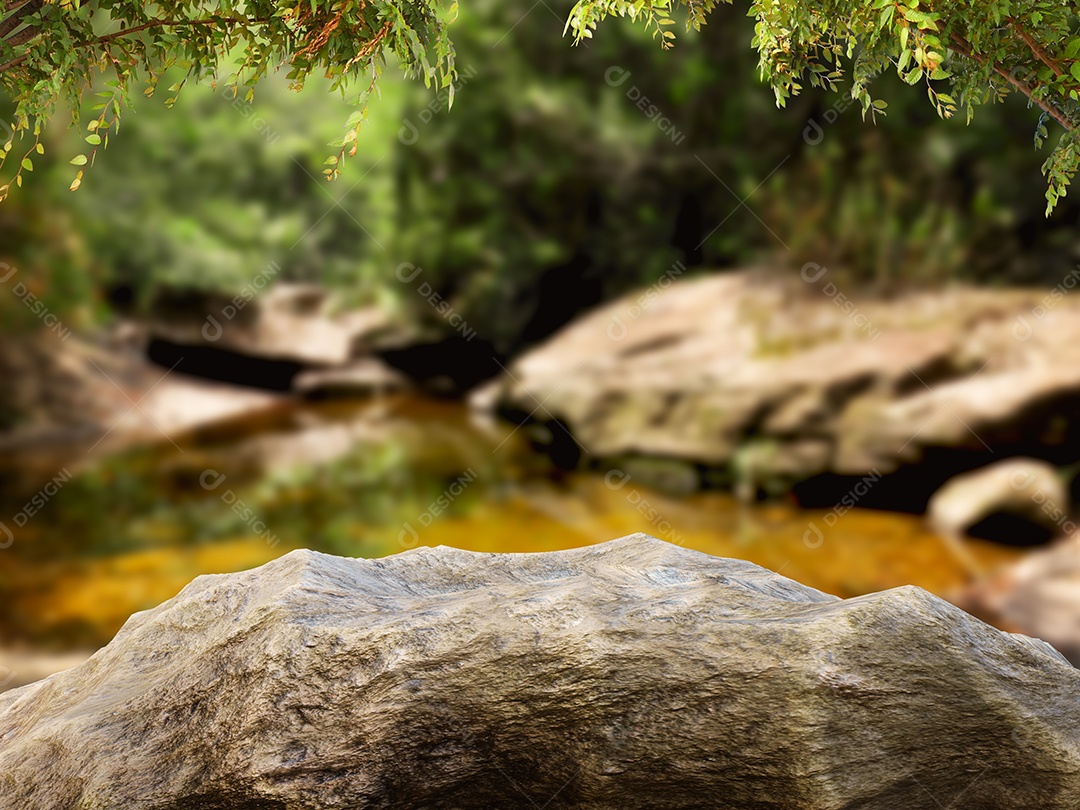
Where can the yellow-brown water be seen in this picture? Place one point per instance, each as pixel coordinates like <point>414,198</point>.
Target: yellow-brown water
<point>126,533</point>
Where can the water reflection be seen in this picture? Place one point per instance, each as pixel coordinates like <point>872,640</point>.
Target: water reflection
<point>373,479</point>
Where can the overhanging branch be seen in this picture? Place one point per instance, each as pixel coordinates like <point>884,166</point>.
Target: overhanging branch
<point>1037,49</point>
<point>103,40</point>
<point>17,18</point>
<point>964,48</point>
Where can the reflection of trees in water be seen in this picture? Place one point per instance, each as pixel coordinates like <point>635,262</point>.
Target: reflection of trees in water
<point>311,474</point>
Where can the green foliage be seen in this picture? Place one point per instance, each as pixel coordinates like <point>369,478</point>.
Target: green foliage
<point>965,55</point>
<point>547,188</point>
<point>977,52</point>
<point>544,189</point>
<point>62,50</point>
<point>540,186</point>
<point>206,195</point>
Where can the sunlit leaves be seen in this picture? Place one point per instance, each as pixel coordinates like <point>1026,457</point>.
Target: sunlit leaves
<point>58,54</point>
<point>965,54</point>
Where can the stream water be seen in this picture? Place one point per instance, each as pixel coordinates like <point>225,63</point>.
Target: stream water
<point>110,536</point>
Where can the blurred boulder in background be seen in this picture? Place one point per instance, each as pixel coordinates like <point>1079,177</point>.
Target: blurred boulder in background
<point>88,393</point>
<point>289,321</point>
<point>818,382</point>
<point>1018,500</point>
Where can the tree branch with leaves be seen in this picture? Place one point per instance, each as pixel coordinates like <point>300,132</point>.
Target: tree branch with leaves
<point>964,54</point>
<point>57,51</point>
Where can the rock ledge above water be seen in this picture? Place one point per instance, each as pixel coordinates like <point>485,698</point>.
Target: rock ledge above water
<point>769,379</point>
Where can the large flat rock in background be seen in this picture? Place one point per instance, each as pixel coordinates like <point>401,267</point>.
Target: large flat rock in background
<point>628,674</point>
<point>781,378</point>
<point>287,321</point>
<point>73,396</point>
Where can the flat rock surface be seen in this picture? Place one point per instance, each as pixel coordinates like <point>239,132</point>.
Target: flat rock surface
<point>623,675</point>
<point>700,368</point>
<point>287,321</point>
<point>77,394</point>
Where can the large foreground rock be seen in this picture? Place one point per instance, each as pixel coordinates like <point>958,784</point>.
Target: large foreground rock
<point>625,675</point>
<point>779,379</point>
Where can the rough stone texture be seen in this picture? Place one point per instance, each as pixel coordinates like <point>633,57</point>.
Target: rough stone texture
<point>1028,488</point>
<point>633,674</point>
<point>819,383</point>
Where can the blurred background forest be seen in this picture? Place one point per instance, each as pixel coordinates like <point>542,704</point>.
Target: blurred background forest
<point>548,190</point>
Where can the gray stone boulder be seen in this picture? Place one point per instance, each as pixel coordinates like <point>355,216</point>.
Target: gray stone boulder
<point>632,674</point>
<point>288,321</point>
<point>66,398</point>
<point>817,379</point>
<point>1026,490</point>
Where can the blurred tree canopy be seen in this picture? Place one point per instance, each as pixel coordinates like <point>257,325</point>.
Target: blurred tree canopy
<point>548,189</point>
<point>560,177</point>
